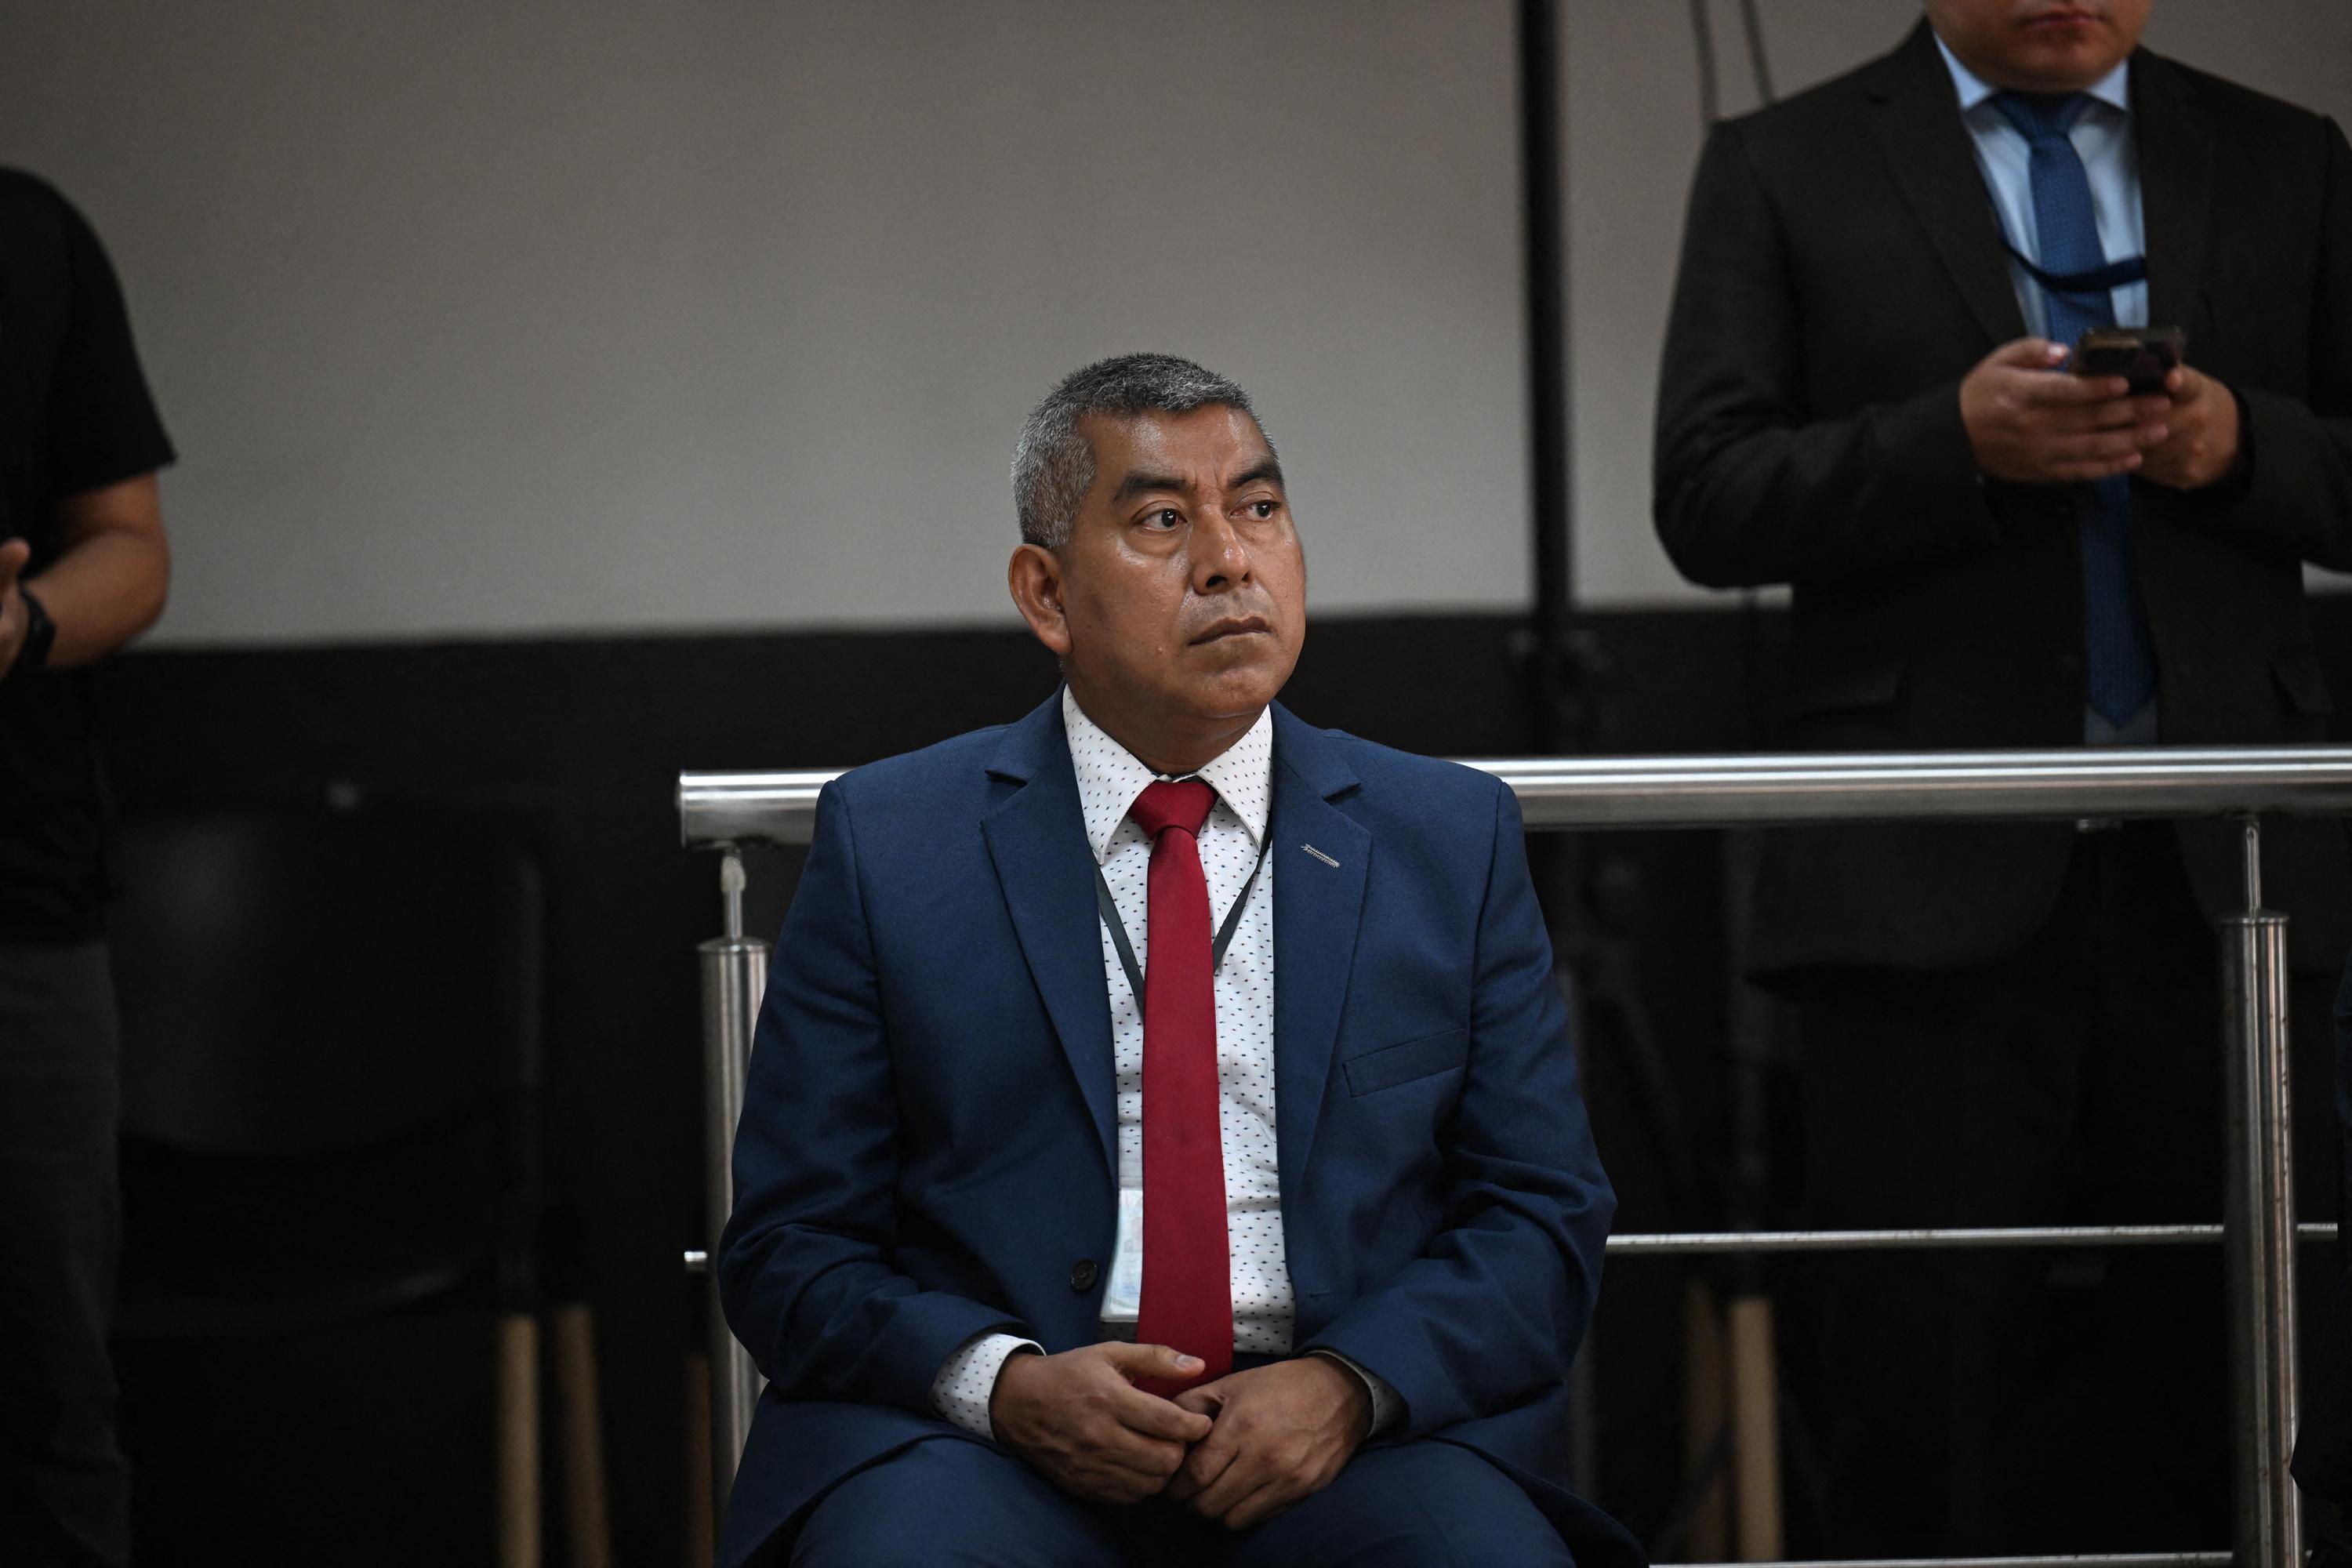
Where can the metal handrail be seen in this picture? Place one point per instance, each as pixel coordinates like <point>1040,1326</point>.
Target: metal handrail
<point>728,810</point>
<point>1760,791</point>
<point>1922,1238</point>
<point>2091,1559</point>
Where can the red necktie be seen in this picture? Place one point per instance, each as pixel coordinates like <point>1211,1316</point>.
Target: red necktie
<point>1188,1290</point>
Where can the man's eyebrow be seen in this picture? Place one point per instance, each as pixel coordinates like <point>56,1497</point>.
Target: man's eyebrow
<point>1264,468</point>
<point>1142,482</point>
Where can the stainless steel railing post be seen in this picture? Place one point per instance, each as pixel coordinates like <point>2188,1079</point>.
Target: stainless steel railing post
<point>734,975</point>
<point>2258,1225</point>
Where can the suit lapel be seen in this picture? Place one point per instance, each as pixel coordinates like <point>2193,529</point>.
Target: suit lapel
<point>1317,907</point>
<point>1037,841</point>
<point>2176,188</point>
<point>1916,116</point>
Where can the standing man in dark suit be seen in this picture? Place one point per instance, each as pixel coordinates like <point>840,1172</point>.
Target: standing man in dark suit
<point>1162,1141</point>
<point>1866,395</point>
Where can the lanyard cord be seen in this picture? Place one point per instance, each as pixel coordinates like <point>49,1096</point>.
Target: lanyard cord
<point>2098,280</point>
<point>1125,949</point>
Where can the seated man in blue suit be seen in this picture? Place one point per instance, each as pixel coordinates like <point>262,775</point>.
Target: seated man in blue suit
<point>1162,1141</point>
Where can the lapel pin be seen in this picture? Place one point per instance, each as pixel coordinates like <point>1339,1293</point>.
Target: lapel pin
<point>1320,856</point>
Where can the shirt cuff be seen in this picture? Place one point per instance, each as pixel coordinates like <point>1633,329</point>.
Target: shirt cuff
<point>967,1380</point>
<point>1388,1405</point>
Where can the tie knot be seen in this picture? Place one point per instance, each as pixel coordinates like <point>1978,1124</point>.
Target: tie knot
<point>2042,117</point>
<point>1173,802</point>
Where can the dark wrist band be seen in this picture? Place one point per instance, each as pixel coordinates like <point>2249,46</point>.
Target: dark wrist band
<point>40,635</point>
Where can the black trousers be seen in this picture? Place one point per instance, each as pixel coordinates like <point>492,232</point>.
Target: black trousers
<point>2026,1402</point>
<point>64,1487</point>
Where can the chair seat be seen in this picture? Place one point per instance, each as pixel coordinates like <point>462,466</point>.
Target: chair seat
<point>301,1299</point>
<point>219,1246</point>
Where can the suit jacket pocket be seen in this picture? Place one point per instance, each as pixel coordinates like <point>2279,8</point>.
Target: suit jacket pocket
<point>1821,685</point>
<point>1390,1066</point>
<point>2304,684</point>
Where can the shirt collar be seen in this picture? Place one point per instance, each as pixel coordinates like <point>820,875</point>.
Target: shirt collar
<point>2113,89</point>
<point>1111,777</point>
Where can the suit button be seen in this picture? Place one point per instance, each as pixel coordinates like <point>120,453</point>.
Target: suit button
<point>1082,1275</point>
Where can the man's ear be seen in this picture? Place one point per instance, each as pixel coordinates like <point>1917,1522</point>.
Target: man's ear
<point>1035,577</point>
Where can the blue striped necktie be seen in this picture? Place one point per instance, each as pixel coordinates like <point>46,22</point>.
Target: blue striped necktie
<point>2116,648</point>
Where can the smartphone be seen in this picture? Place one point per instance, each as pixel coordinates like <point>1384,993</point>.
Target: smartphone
<point>2141,355</point>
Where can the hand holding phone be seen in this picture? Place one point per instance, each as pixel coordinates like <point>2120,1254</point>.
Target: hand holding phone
<point>2202,441</point>
<point>2142,355</point>
<point>2028,427</point>
<point>2204,444</point>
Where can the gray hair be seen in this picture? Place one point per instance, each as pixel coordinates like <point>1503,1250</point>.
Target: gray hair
<point>1053,464</point>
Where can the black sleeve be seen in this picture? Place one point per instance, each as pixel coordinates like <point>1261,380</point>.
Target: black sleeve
<point>103,425</point>
<point>1749,486</point>
<point>2295,491</point>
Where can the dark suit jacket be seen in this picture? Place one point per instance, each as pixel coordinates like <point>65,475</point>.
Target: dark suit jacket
<point>927,1149</point>
<point>1842,271</point>
<point>2323,1448</point>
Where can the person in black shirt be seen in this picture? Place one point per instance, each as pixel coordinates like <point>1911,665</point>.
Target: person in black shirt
<point>83,569</point>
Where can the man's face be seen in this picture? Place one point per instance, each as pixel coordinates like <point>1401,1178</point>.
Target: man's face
<point>1183,588</point>
<point>2040,46</point>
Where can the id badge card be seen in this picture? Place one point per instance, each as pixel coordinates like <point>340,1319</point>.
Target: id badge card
<point>1123,1297</point>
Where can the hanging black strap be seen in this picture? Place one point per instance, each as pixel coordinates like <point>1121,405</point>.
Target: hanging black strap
<point>1125,949</point>
<point>2113,275</point>
<point>2098,280</point>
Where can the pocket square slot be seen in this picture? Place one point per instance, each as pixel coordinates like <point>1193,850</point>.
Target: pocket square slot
<point>1417,1058</point>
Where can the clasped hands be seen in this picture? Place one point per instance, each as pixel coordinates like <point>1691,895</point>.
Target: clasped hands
<point>1237,1450</point>
<point>2029,426</point>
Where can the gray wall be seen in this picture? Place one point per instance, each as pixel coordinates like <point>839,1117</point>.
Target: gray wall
<point>544,316</point>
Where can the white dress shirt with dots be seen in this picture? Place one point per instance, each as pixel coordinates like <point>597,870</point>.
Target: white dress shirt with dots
<point>1110,778</point>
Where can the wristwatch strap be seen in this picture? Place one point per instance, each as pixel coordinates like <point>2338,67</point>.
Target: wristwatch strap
<point>40,635</point>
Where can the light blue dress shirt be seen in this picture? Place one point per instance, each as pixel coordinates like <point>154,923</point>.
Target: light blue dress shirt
<point>2103,139</point>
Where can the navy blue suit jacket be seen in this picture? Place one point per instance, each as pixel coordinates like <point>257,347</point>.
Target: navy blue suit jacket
<point>929,1147</point>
